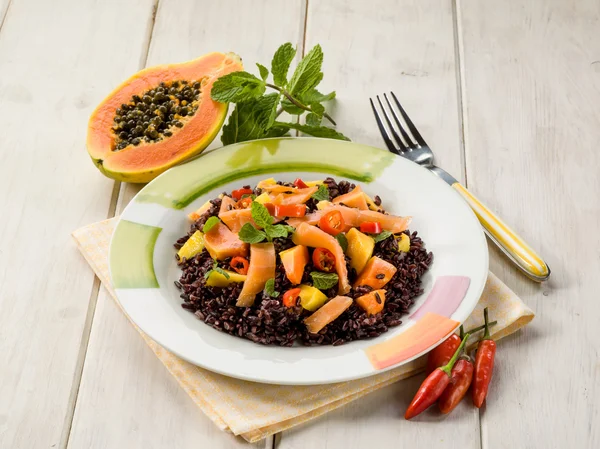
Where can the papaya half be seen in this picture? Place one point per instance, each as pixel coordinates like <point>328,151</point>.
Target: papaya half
<point>159,117</point>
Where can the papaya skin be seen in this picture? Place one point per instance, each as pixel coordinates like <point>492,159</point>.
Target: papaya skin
<point>144,162</point>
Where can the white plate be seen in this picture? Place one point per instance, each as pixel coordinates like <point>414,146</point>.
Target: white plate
<point>143,267</point>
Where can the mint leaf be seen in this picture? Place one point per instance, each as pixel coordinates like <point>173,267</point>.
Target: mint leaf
<point>277,231</point>
<point>324,281</point>
<point>322,194</point>
<point>237,87</point>
<point>210,223</point>
<point>264,72</point>
<point>318,109</point>
<point>308,73</point>
<point>290,107</point>
<point>277,131</point>
<point>314,95</point>
<point>249,234</point>
<point>270,288</point>
<point>313,120</point>
<point>218,269</point>
<point>251,119</point>
<point>317,131</point>
<point>261,215</point>
<point>281,63</point>
<point>342,240</point>
<point>381,236</point>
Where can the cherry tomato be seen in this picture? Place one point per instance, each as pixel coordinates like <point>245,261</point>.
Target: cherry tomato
<point>332,222</point>
<point>270,207</point>
<point>290,210</point>
<point>239,264</point>
<point>300,184</point>
<point>371,227</point>
<point>244,203</point>
<point>324,260</point>
<point>290,298</point>
<point>237,194</point>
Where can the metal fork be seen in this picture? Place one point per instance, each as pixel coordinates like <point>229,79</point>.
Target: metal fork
<point>413,147</point>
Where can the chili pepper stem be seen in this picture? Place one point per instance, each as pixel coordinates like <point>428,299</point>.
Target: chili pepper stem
<point>486,335</point>
<point>448,368</point>
<point>462,332</point>
<point>480,328</point>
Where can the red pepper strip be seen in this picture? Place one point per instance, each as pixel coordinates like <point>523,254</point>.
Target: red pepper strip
<point>433,386</point>
<point>244,203</point>
<point>484,365</point>
<point>370,227</point>
<point>300,184</point>
<point>237,194</point>
<point>290,210</point>
<point>441,354</point>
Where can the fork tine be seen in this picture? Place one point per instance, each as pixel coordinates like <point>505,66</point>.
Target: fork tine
<point>389,122</point>
<point>406,137</point>
<point>411,126</point>
<point>383,131</point>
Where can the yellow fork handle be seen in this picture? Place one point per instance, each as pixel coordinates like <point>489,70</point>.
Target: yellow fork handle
<point>507,240</point>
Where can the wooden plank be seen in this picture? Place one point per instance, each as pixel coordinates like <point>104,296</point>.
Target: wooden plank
<point>127,398</point>
<point>370,48</point>
<point>532,90</point>
<point>58,60</point>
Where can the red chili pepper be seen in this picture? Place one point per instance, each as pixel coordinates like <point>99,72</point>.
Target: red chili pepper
<point>370,227</point>
<point>484,364</point>
<point>290,210</point>
<point>290,298</point>
<point>240,264</point>
<point>300,184</point>
<point>244,203</point>
<point>324,260</point>
<point>441,354</point>
<point>332,222</point>
<point>237,194</point>
<point>461,378</point>
<point>433,386</point>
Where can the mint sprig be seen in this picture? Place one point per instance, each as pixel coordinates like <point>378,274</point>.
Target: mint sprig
<point>261,216</point>
<point>324,281</point>
<point>255,114</point>
<point>381,236</point>
<point>217,269</point>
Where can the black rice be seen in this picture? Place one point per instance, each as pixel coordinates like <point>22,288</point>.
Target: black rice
<point>268,321</point>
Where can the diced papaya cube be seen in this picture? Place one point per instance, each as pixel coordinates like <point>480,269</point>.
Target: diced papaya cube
<point>222,243</point>
<point>294,260</point>
<point>193,246</point>
<point>372,302</point>
<point>311,298</point>
<point>360,249</point>
<point>328,313</point>
<point>376,273</point>
<point>217,279</point>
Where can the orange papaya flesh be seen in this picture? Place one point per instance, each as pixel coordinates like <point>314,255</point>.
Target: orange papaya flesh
<point>141,162</point>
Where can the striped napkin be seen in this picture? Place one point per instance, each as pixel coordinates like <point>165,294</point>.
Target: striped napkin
<point>255,411</point>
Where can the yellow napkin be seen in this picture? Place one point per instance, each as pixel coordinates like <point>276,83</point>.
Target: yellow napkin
<point>255,411</point>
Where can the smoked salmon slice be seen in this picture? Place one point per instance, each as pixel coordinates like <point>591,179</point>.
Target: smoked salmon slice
<point>356,198</point>
<point>354,217</point>
<point>314,237</point>
<point>300,196</point>
<point>260,270</point>
<point>328,313</point>
<point>221,243</point>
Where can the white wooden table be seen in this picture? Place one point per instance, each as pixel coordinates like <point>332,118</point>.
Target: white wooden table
<point>507,93</point>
